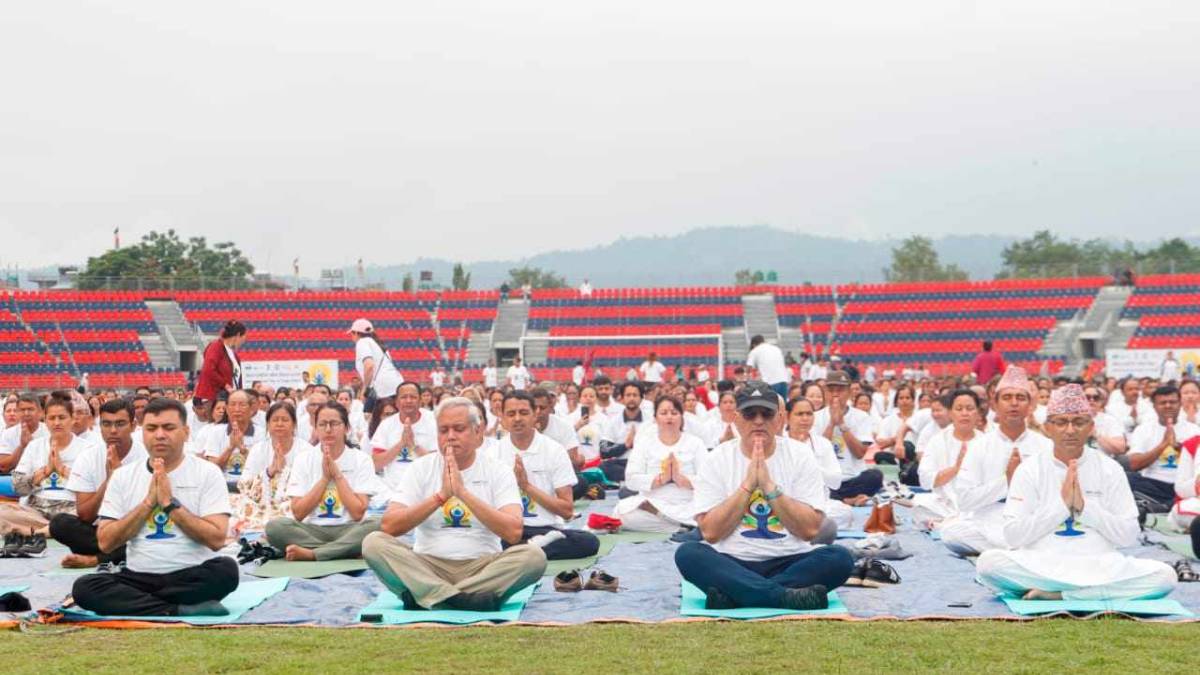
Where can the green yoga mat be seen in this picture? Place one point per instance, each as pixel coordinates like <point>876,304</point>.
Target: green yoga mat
<point>1160,607</point>
<point>692,604</point>
<point>307,569</point>
<point>851,534</point>
<point>249,594</point>
<point>68,572</point>
<point>595,475</point>
<point>4,590</point>
<point>392,613</point>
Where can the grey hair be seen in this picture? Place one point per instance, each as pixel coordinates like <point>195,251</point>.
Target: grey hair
<point>460,402</point>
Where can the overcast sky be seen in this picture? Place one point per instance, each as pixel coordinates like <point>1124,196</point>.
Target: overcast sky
<point>494,129</point>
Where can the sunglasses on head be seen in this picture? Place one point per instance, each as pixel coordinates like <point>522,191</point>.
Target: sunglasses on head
<point>750,414</point>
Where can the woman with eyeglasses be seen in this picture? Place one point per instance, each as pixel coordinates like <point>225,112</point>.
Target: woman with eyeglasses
<point>261,491</point>
<point>330,489</point>
<point>661,468</point>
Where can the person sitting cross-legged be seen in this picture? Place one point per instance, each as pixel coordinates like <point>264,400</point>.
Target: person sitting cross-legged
<point>171,514</point>
<point>89,482</point>
<point>545,478</point>
<point>330,488</point>
<point>661,469</point>
<point>461,505</point>
<point>757,505</point>
<point>1067,513</point>
<point>41,476</point>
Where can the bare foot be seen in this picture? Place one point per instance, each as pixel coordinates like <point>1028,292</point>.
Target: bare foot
<point>1035,594</point>
<point>294,552</point>
<point>857,500</point>
<point>75,561</point>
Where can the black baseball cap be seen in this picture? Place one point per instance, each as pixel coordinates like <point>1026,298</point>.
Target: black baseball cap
<point>757,394</point>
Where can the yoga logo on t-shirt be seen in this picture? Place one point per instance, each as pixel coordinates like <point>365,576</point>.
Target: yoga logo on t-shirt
<point>528,506</point>
<point>455,513</point>
<point>405,456</point>
<point>760,521</point>
<point>235,464</point>
<point>1170,458</point>
<point>587,436</point>
<point>51,482</point>
<point>330,504</point>
<point>162,524</point>
<point>1067,529</point>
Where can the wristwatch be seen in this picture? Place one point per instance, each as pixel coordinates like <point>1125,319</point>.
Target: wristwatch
<point>773,495</point>
<point>174,504</point>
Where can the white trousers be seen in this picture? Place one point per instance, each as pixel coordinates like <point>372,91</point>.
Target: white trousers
<point>1000,571</point>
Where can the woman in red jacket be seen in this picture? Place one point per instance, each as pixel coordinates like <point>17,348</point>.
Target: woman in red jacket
<point>222,370</point>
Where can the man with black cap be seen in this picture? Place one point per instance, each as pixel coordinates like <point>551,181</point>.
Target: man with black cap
<point>849,429</point>
<point>757,506</point>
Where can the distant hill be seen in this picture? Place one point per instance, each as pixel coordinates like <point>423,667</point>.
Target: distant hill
<point>710,256</point>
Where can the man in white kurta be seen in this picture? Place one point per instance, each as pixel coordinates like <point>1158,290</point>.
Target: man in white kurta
<point>1067,514</point>
<point>982,484</point>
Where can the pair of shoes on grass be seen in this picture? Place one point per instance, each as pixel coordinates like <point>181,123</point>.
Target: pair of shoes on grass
<point>572,582</point>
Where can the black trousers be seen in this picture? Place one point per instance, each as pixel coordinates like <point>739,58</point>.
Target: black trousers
<point>866,483</point>
<point>1158,495</point>
<point>614,469</point>
<point>68,530</point>
<point>576,544</point>
<point>129,593</point>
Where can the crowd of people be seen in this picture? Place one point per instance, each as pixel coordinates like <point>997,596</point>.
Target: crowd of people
<point>457,494</point>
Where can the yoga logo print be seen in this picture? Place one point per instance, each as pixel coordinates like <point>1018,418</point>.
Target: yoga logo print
<point>162,524</point>
<point>1067,529</point>
<point>760,521</point>
<point>51,482</point>
<point>528,506</point>
<point>331,504</point>
<point>455,513</point>
<point>405,456</point>
<point>1170,458</point>
<point>236,464</point>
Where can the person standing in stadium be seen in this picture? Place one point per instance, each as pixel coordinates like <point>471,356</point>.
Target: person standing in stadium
<point>767,359</point>
<point>652,369</point>
<point>518,375</point>
<point>1170,372</point>
<point>374,366</point>
<point>222,369</point>
<point>490,380</point>
<point>987,364</point>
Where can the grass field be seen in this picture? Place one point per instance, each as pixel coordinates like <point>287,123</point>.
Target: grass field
<point>1105,645</point>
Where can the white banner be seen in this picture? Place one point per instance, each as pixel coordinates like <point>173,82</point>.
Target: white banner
<point>276,374</point>
<point>1120,363</point>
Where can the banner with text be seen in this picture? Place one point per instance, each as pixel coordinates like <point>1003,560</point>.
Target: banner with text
<point>276,374</point>
<point>1120,363</point>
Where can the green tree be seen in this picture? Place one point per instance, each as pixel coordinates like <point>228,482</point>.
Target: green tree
<point>461,279</point>
<point>535,277</point>
<point>407,284</point>
<point>743,278</point>
<point>1172,255</point>
<point>163,260</point>
<point>916,260</point>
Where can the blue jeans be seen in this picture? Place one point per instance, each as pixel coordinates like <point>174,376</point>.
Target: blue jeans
<point>781,388</point>
<point>761,583</point>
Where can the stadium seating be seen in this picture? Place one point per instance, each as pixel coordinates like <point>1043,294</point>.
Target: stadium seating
<point>939,325</point>
<point>1166,307</point>
<point>312,325</point>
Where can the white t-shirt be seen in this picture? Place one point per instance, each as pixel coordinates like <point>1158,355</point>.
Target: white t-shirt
<point>1170,371</point>
<point>387,378</point>
<point>646,463</point>
<point>216,439</point>
<point>452,531</point>
<point>11,437</point>
<point>355,465</point>
<point>37,455</point>
<point>489,377</point>
<point>90,469</point>
<point>562,432</point>
<point>652,371</point>
<point>768,360</point>
<point>861,427</point>
<point>577,376</point>
<point>388,434</point>
<point>518,377</point>
<point>437,378</point>
<point>1149,434</point>
<point>262,452</point>
<point>760,535</point>
<point>159,547</point>
<point>548,468</point>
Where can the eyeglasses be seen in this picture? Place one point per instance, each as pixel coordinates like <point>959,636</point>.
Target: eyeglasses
<point>330,424</point>
<point>751,414</point>
<point>1064,422</point>
<point>1094,397</point>
<point>113,424</point>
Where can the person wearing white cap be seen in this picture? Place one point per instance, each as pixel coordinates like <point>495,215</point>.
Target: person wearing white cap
<point>1068,511</point>
<point>374,366</point>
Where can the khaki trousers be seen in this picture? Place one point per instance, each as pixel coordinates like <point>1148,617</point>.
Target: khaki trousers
<point>432,581</point>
